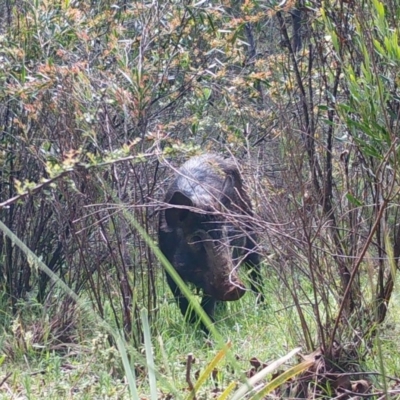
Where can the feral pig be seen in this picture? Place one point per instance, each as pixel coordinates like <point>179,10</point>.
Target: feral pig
<point>200,235</point>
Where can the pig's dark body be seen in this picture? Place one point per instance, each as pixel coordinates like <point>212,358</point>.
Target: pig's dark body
<point>197,236</point>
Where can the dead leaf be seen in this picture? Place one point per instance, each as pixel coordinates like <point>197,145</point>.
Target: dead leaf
<point>257,364</point>
<point>361,386</point>
<point>342,382</point>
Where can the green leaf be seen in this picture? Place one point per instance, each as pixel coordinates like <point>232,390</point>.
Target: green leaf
<point>379,48</point>
<point>207,93</point>
<point>379,8</point>
<point>353,200</point>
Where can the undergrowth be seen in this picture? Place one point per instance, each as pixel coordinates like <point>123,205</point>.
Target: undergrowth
<point>88,366</point>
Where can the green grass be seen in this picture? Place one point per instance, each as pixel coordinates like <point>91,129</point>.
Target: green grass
<point>89,368</point>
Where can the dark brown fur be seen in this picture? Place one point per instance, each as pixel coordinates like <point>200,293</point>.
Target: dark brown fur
<point>196,236</point>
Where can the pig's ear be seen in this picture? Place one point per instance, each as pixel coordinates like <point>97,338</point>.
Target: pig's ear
<point>176,216</point>
<point>228,191</point>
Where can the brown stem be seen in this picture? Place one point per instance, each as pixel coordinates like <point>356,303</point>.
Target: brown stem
<point>189,362</point>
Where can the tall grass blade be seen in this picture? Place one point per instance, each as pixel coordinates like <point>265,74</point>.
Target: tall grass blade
<point>390,256</point>
<point>129,371</point>
<point>262,374</point>
<point>282,378</point>
<point>209,369</point>
<point>35,262</point>
<point>174,275</point>
<point>227,391</point>
<point>149,354</point>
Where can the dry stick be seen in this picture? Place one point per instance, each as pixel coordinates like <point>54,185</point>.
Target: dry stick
<point>310,148</point>
<point>369,395</point>
<point>36,189</point>
<point>76,167</point>
<point>354,272</point>
<point>5,379</point>
<point>364,250</point>
<point>189,362</point>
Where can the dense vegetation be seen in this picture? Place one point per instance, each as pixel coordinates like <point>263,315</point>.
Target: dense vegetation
<point>100,102</point>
